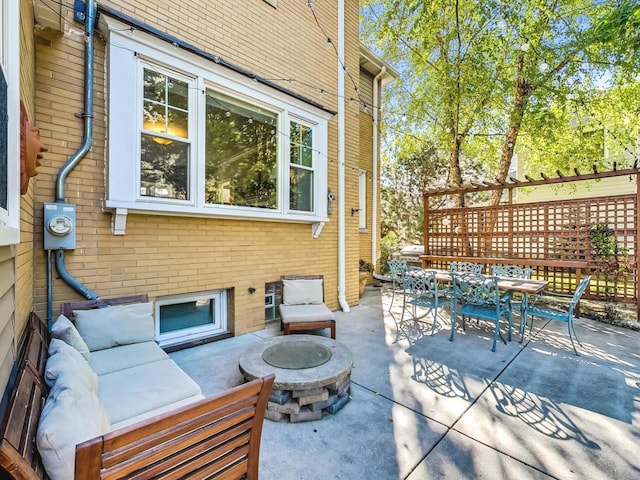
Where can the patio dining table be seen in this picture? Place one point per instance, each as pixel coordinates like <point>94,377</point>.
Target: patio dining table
<point>525,286</point>
<point>520,285</point>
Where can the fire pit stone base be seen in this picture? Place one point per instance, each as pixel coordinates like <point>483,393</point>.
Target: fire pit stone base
<point>302,394</point>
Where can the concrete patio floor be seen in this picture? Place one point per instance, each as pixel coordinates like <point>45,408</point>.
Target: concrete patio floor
<point>436,409</point>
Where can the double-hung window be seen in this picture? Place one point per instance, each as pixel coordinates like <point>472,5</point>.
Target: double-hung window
<point>164,136</point>
<point>190,136</point>
<point>9,124</point>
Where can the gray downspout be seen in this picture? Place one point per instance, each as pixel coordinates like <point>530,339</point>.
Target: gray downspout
<point>72,162</point>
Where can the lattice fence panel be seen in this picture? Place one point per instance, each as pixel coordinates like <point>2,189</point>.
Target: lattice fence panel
<point>558,230</point>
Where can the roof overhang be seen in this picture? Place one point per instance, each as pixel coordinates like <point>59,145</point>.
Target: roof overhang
<point>373,64</point>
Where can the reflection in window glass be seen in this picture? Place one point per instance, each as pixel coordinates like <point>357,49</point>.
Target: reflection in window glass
<point>181,316</point>
<point>241,153</point>
<point>164,169</point>
<point>164,156</point>
<point>301,167</point>
<point>166,106</point>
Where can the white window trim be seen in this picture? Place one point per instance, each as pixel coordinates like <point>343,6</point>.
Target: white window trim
<point>194,333</point>
<point>10,60</point>
<point>123,186</point>
<point>362,200</point>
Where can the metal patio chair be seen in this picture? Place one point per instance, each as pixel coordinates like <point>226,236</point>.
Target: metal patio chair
<point>420,290</point>
<point>466,267</point>
<point>559,314</point>
<point>476,295</point>
<point>515,271</point>
<point>397,268</point>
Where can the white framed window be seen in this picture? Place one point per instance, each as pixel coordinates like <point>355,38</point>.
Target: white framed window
<point>206,140</point>
<point>301,167</point>
<point>9,124</point>
<point>362,200</point>
<point>185,318</point>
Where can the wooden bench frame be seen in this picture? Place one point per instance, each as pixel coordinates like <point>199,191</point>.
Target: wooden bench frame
<point>216,437</point>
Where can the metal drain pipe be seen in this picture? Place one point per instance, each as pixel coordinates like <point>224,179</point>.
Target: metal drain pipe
<point>342,282</point>
<point>72,162</point>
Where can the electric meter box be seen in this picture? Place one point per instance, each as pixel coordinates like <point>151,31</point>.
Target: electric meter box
<point>59,226</point>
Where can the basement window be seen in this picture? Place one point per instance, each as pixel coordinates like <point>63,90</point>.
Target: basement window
<point>191,317</point>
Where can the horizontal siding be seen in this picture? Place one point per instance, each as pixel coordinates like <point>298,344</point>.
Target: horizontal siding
<point>7,315</point>
<point>586,189</point>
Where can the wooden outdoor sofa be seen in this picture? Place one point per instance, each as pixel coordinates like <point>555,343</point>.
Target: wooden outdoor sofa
<point>216,437</point>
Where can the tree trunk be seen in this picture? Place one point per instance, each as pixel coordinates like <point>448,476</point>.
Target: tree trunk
<point>522,94</point>
<point>455,174</point>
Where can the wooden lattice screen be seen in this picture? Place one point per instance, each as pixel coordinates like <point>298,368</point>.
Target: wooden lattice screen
<point>554,230</point>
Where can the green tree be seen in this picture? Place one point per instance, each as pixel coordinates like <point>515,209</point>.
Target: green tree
<point>416,168</point>
<point>477,74</point>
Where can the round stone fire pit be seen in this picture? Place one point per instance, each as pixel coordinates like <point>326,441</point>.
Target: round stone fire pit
<point>313,375</point>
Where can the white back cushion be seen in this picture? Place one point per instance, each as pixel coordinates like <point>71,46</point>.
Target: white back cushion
<point>70,416</point>
<point>63,329</point>
<point>302,292</point>
<point>119,325</point>
<point>66,360</point>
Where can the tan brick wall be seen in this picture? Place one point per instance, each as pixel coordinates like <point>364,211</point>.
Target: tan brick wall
<point>352,145</point>
<point>366,157</point>
<point>162,255</point>
<point>366,164</point>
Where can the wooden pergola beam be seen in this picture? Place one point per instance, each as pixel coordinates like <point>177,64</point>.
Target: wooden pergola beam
<point>531,182</point>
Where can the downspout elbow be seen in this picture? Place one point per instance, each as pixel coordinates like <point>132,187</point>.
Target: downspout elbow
<point>344,305</point>
<point>72,162</point>
<point>72,282</point>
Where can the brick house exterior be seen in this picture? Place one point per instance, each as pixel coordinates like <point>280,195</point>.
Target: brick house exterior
<point>269,62</point>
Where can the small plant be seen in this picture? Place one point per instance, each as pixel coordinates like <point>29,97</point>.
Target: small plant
<point>366,266</point>
<point>605,249</point>
<point>388,246</point>
<point>613,264</point>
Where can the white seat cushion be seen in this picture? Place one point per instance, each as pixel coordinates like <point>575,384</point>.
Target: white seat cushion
<point>157,411</point>
<point>136,390</point>
<point>125,356</point>
<point>305,313</point>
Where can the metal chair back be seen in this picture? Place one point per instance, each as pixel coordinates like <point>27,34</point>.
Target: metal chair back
<point>420,290</point>
<point>469,267</point>
<point>476,295</point>
<point>557,314</point>
<point>397,268</point>
<point>511,271</point>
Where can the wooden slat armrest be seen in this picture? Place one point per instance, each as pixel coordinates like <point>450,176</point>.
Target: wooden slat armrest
<point>218,437</point>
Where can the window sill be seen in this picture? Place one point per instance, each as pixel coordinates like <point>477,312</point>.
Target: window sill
<point>121,209</point>
<point>9,235</point>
